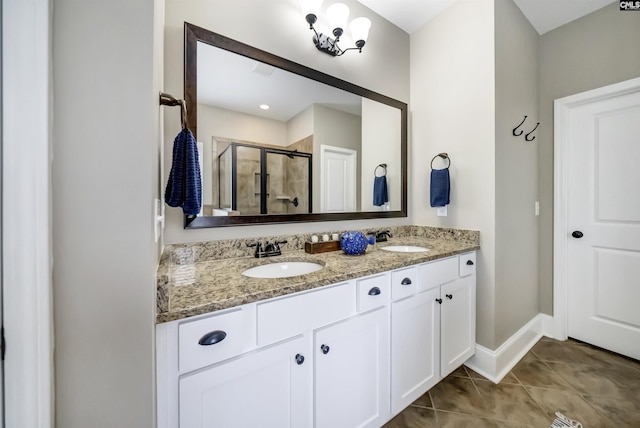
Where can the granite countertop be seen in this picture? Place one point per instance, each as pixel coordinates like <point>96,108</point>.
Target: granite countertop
<point>199,287</point>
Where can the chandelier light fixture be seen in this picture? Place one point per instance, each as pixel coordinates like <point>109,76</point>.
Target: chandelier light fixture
<point>337,15</point>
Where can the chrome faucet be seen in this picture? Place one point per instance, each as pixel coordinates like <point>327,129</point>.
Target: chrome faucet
<point>268,249</point>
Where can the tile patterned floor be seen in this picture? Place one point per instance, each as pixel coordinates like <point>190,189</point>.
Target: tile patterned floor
<point>585,383</point>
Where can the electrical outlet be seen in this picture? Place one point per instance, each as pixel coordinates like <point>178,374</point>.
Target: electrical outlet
<point>441,211</point>
<point>537,208</point>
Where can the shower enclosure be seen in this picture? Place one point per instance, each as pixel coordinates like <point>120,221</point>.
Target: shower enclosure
<point>264,180</point>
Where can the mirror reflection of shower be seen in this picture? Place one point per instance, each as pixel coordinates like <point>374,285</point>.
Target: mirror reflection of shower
<point>255,179</point>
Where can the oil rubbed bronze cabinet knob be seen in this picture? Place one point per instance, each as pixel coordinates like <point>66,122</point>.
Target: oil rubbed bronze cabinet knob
<point>577,234</point>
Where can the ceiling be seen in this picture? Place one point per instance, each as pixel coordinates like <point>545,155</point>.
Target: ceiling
<point>544,15</point>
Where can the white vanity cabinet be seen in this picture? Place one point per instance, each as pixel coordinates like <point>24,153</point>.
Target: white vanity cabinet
<point>352,372</point>
<point>266,388</point>
<point>351,354</point>
<point>433,329</point>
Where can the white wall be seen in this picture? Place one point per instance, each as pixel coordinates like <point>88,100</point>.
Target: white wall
<point>106,79</point>
<point>516,58</point>
<point>218,122</point>
<point>279,27</point>
<point>596,50</point>
<point>452,110</point>
<point>381,126</point>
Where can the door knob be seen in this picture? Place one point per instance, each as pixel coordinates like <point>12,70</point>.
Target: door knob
<point>449,296</point>
<point>439,301</point>
<point>325,349</point>
<point>577,234</point>
<point>299,359</point>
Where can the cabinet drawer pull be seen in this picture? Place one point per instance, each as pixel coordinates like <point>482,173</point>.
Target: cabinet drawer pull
<point>439,301</point>
<point>469,262</point>
<point>406,281</point>
<point>299,359</point>
<point>449,296</point>
<point>212,338</point>
<point>325,349</point>
<point>374,291</point>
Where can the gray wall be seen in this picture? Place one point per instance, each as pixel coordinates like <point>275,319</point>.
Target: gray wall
<point>453,110</point>
<point>279,27</point>
<point>596,50</point>
<point>516,298</point>
<point>107,73</point>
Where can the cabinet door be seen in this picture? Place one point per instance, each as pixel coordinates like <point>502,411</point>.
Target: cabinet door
<point>415,341</point>
<point>352,372</point>
<point>458,321</point>
<point>267,388</point>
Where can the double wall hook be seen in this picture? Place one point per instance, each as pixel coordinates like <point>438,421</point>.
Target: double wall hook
<point>526,136</point>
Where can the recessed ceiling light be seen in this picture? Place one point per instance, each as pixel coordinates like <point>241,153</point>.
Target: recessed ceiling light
<point>265,106</point>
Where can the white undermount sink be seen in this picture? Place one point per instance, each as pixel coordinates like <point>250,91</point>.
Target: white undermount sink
<point>282,269</point>
<point>404,248</point>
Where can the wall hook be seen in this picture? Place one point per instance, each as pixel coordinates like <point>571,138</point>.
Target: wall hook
<point>516,128</point>
<point>526,136</point>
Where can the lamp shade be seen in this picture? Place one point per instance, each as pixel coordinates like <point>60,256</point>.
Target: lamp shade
<point>310,7</point>
<point>360,29</point>
<point>337,15</point>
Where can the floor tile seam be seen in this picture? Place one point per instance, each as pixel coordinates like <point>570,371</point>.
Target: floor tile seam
<point>536,402</point>
<point>474,415</point>
<point>595,409</point>
<point>559,374</point>
<point>582,397</point>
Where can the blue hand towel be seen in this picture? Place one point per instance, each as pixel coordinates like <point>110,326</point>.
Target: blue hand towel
<point>440,187</point>
<point>380,194</point>
<point>184,188</point>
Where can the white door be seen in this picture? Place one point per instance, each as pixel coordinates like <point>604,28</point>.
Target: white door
<point>415,339</point>
<point>270,388</point>
<point>352,372</point>
<point>603,217</point>
<point>337,179</point>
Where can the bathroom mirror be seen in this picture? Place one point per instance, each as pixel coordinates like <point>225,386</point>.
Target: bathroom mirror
<point>312,155</point>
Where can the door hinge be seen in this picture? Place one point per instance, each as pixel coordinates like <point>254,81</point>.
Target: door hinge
<point>3,346</point>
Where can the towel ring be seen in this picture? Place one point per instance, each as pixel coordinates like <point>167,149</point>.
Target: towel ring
<point>383,166</point>
<point>443,156</point>
<point>169,100</point>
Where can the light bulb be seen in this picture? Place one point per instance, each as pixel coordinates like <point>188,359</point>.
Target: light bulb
<point>360,30</point>
<point>337,15</point>
<point>310,9</point>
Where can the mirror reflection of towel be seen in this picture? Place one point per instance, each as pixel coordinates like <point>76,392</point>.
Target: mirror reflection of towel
<point>380,193</point>
<point>184,187</point>
<point>440,187</point>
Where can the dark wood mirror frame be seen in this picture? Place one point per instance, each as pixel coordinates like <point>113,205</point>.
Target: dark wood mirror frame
<point>193,35</point>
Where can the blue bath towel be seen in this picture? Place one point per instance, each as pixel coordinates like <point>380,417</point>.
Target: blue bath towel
<point>380,193</point>
<point>184,188</point>
<point>440,187</point>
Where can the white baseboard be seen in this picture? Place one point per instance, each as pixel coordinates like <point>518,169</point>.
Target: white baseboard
<point>494,365</point>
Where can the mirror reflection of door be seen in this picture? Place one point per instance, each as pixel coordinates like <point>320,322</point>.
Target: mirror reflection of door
<point>338,179</point>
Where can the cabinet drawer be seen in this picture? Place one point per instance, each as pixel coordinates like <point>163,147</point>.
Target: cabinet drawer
<point>227,334</point>
<point>288,316</point>
<point>467,264</point>
<point>404,282</point>
<point>373,291</point>
<point>439,272</point>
